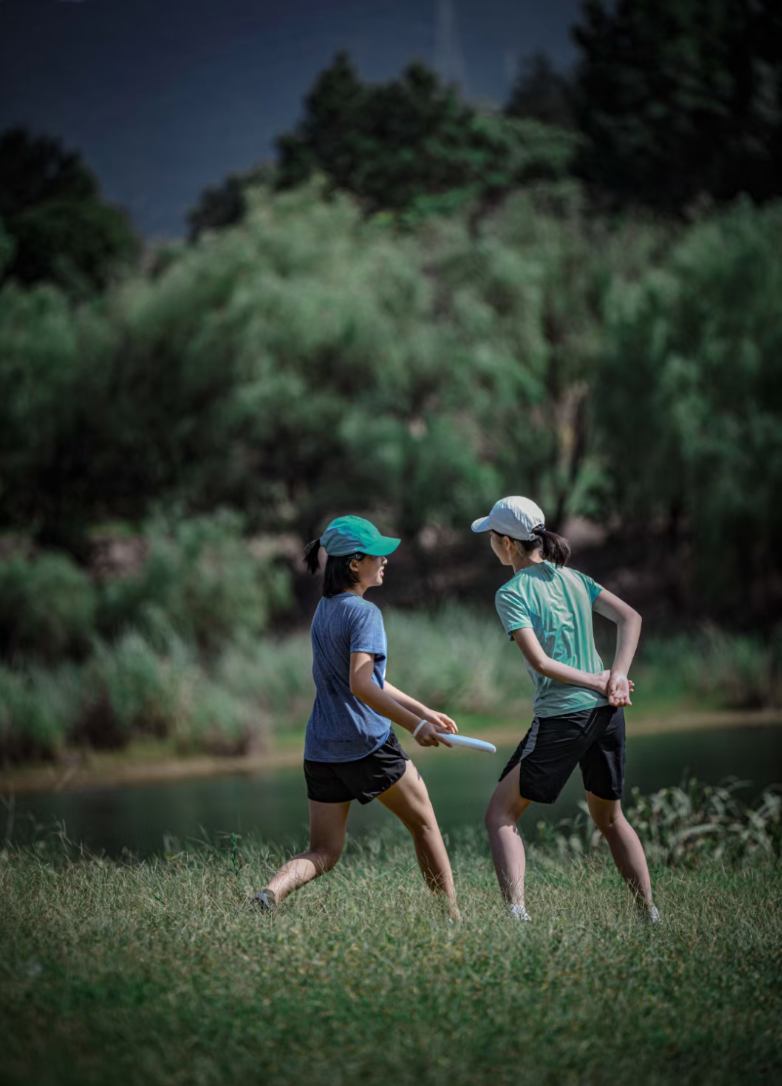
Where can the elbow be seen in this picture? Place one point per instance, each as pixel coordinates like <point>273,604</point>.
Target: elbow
<point>541,665</point>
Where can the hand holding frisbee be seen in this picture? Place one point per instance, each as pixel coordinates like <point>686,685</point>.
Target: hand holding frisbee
<point>452,739</point>
<point>472,744</point>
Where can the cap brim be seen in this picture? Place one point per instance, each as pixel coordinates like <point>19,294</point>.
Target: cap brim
<point>481,525</point>
<point>384,545</point>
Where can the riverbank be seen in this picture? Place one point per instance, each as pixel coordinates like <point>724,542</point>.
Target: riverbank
<point>150,762</point>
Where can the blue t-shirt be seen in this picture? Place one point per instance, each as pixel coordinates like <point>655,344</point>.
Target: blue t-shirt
<point>556,603</point>
<point>342,728</point>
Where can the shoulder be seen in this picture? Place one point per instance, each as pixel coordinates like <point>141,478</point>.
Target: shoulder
<point>361,611</point>
<point>575,575</point>
<point>511,592</point>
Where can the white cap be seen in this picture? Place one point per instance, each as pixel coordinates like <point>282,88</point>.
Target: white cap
<point>514,517</point>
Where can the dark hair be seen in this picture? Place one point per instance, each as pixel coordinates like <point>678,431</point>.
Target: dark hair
<point>554,548</point>
<point>339,577</point>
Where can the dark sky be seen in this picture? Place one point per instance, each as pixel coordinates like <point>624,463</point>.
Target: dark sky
<point>166,96</point>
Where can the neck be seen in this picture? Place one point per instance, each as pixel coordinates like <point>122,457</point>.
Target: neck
<point>522,561</point>
<point>357,589</point>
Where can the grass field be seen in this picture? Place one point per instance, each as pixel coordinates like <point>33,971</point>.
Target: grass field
<point>162,972</point>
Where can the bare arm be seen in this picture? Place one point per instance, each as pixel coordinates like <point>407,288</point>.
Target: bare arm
<point>539,661</point>
<point>628,630</point>
<point>396,705</point>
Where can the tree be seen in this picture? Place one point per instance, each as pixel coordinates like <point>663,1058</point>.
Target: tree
<point>61,229</point>
<point>412,145</point>
<point>681,99</point>
<point>225,204</point>
<point>36,169</point>
<point>690,404</point>
<point>541,93</point>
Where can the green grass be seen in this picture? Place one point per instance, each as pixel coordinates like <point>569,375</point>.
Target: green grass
<point>161,972</point>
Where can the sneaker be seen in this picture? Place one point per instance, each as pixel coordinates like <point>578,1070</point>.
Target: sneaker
<point>518,912</point>
<point>649,914</point>
<point>264,899</point>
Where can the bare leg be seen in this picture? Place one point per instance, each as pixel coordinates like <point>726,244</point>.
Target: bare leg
<point>626,848</point>
<point>327,837</point>
<point>409,800</point>
<point>506,807</point>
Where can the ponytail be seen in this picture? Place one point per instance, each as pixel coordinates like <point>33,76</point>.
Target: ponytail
<point>338,576</point>
<point>554,548</point>
<point>311,552</point>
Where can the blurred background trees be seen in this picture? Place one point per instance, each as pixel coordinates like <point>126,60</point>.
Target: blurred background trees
<point>59,227</point>
<point>679,101</point>
<point>420,306</point>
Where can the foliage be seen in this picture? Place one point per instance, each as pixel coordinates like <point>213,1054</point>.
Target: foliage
<point>690,370</point>
<point>47,608</point>
<point>56,434</point>
<point>679,100</point>
<point>62,231</point>
<point>542,93</point>
<point>683,826</point>
<point>712,667</point>
<point>38,709</point>
<point>98,953</point>
<point>37,169</point>
<point>201,581</point>
<point>399,144</point>
<point>225,204</point>
<point>79,245</point>
<point>7,249</point>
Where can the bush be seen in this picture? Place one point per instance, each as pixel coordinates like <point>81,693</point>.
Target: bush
<point>47,608</point>
<point>201,581</point>
<point>714,668</point>
<point>36,710</point>
<point>129,689</point>
<point>217,722</point>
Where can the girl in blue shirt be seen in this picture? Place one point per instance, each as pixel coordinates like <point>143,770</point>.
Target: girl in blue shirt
<point>351,751</point>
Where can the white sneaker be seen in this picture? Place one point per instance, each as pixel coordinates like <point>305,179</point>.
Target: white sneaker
<point>518,912</point>
<point>649,914</point>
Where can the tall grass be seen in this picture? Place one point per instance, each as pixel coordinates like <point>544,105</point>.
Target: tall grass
<point>456,660</point>
<point>161,971</point>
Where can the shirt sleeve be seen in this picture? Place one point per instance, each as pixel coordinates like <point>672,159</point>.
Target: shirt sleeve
<point>512,611</point>
<point>593,588</point>
<point>367,633</point>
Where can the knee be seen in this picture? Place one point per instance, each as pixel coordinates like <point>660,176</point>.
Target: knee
<point>423,826</point>
<point>606,821</point>
<point>326,858</point>
<point>495,818</point>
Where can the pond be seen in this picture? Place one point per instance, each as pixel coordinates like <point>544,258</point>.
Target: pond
<point>271,804</point>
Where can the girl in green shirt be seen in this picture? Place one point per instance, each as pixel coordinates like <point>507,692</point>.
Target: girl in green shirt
<point>546,609</point>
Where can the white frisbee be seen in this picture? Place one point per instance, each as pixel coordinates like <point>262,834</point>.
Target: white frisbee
<point>472,744</point>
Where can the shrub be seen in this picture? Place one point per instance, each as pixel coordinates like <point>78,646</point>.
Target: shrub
<point>200,580</point>
<point>47,608</point>
<point>216,722</point>
<point>36,710</point>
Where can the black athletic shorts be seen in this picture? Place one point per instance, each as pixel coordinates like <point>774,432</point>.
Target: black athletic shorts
<point>364,779</point>
<point>593,739</point>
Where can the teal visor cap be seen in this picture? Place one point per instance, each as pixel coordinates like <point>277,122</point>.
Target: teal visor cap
<point>347,535</point>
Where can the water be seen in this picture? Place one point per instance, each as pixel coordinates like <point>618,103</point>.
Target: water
<point>272,803</point>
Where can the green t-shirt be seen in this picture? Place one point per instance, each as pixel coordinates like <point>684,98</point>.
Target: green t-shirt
<point>555,602</point>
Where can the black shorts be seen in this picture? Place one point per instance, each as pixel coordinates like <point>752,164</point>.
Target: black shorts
<point>593,739</point>
<point>364,779</point>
